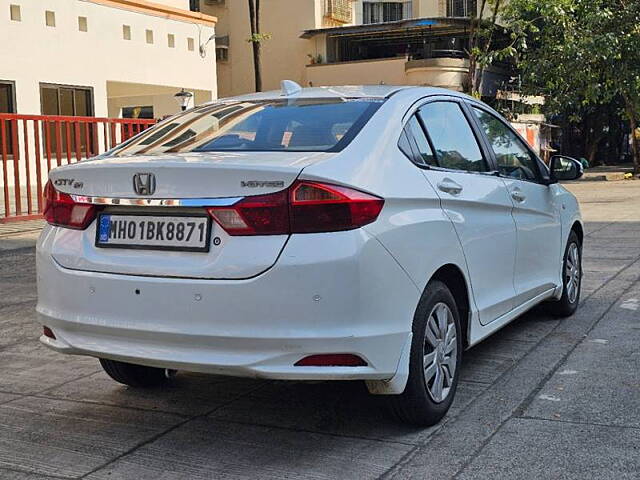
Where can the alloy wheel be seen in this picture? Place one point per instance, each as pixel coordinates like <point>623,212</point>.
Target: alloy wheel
<point>572,273</point>
<point>440,352</point>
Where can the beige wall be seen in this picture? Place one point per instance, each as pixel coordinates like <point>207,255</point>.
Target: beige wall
<point>429,8</point>
<point>371,72</point>
<point>32,53</point>
<point>122,94</point>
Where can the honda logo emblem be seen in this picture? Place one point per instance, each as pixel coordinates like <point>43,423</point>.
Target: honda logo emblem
<point>144,183</point>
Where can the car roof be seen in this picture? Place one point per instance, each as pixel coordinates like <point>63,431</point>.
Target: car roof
<point>345,91</point>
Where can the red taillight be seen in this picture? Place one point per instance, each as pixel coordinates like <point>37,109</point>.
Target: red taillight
<point>259,215</point>
<point>60,209</point>
<point>306,207</point>
<point>47,332</point>
<point>317,207</point>
<point>331,360</point>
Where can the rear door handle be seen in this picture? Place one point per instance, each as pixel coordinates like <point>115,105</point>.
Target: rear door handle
<point>449,186</point>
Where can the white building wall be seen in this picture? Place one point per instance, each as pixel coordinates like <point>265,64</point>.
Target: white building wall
<point>119,72</point>
<point>32,53</point>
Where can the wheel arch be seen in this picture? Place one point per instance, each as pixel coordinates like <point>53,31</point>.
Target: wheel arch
<point>579,229</point>
<point>451,275</point>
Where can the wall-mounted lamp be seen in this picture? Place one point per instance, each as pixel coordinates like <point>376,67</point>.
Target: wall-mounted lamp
<point>183,98</point>
<point>202,48</point>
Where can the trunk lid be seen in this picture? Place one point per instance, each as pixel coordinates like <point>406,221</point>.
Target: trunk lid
<point>194,177</point>
<point>190,175</point>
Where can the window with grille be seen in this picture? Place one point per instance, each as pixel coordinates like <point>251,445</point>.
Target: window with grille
<point>7,105</point>
<point>462,8</point>
<point>378,12</point>
<point>338,10</point>
<point>222,54</point>
<point>7,97</point>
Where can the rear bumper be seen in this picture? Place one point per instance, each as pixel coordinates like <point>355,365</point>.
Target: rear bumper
<point>328,293</point>
<point>238,357</point>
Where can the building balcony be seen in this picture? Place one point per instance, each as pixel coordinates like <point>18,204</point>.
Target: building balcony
<point>443,72</point>
<point>389,71</point>
<point>420,51</point>
<point>437,72</point>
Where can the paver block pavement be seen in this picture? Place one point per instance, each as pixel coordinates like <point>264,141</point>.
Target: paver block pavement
<point>340,408</point>
<point>206,448</point>
<point>30,368</point>
<point>600,381</point>
<point>188,394</point>
<point>17,278</point>
<point>63,438</point>
<point>8,397</point>
<point>16,475</point>
<point>13,327</point>
<point>541,449</point>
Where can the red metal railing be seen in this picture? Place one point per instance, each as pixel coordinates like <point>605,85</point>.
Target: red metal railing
<point>30,145</point>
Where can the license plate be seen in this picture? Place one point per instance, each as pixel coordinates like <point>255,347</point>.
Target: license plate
<point>154,232</point>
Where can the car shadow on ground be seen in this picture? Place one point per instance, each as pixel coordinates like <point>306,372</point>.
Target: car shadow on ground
<point>340,408</point>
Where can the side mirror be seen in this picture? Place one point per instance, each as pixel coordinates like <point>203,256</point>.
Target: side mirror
<point>565,168</point>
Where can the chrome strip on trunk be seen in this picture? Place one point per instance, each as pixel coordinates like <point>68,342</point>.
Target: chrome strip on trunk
<point>158,202</point>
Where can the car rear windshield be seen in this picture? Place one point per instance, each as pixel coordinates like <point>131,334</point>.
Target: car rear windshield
<point>325,125</point>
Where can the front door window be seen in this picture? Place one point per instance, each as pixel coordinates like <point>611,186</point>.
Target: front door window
<point>513,157</point>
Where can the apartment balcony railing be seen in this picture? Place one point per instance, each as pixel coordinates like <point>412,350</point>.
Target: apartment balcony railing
<point>31,145</point>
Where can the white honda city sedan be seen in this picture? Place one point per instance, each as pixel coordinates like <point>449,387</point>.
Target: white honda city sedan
<point>345,233</point>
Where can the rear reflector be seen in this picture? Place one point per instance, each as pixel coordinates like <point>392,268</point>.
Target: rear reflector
<point>305,207</point>
<point>61,210</point>
<point>47,332</point>
<point>331,360</point>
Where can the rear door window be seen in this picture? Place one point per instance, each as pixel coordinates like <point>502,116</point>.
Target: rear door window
<point>455,144</point>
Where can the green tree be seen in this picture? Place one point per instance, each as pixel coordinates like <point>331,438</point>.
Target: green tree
<point>487,42</point>
<point>582,55</point>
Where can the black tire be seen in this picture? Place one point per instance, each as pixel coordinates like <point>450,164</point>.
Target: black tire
<point>134,375</point>
<point>568,303</point>
<point>416,405</point>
